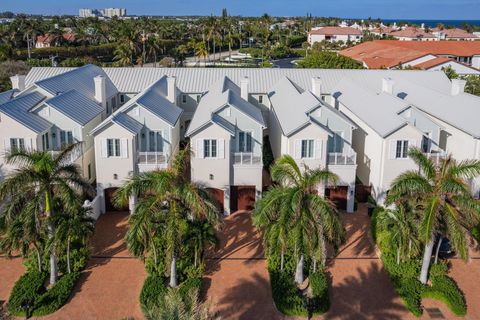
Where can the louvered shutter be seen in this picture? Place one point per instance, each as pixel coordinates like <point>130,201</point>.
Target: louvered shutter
<point>124,148</point>
<point>104,148</point>
<point>392,154</point>
<point>221,148</point>
<point>318,149</point>
<point>297,149</point>
<point>199,151</point>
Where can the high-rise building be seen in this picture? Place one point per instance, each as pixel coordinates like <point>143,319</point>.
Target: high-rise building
<point>111,12</point>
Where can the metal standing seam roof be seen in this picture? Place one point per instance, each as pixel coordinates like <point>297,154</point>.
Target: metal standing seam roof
<point>199,80</point>
<point>378,110</point>
<point>7,95</point>
<point>19,110</point>
<point>127,122</point>
<point>80,79</point>
<point>75,106</point>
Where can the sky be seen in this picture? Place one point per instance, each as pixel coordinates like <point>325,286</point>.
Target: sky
<point>385,9</point>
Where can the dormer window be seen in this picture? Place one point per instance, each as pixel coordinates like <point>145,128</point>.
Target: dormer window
<point>260,99</point>
<point>184,98</point>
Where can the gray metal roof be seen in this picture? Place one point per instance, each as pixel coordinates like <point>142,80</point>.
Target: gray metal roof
<point>378,110</point>
<point>80,79</point>
<point>7,95</point>
<point>127,122</point>
<point>197,80</point>
<point>223,92</point>
<point>19,110</point>
<point>75,106</point>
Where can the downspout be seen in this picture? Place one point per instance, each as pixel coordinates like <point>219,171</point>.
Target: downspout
<point>382,163</point>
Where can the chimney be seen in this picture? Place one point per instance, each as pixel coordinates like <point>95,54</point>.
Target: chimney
<point>244,88</point>
<point>317,86</point>
<point>171,89</point>
<point>387,85</point>
<point>100,90</point>
<point>18,82</point>
<point>458,86</point>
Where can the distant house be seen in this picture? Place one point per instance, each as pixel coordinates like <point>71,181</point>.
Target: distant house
<point>454,34</point>
<point>413,34</point>
<point>334,34</point>
<point>462,56</point>
<point>48,40</point>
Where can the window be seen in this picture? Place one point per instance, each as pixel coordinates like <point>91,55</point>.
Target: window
<point>244,141</point>
<point>155,141</point>
<point>113,147</point>
<point>122,98</point>
<point>17,144</point>
<point>260,99</point>
<point>402,149</point>
<point>209,148</point>
<point>184,98</point>
<point>45,142</point>
<point>114,103</point>
<point>307,148</point>
<point>426,142</point>
<point>198,98</point>
<point>335,143</point>
<point>66,137</point>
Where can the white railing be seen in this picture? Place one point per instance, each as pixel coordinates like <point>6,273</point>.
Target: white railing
<point>76,153</point>
<point>347,157</point>
<point>152,158</point>
<point>436,156</point>
<point>246,158</point>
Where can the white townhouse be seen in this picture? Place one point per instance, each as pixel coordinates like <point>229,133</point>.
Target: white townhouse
<point>142,135</point>
<point>334,34</point>
<point>56,111</point>
<point>314,134</point>
<point>226,134</point>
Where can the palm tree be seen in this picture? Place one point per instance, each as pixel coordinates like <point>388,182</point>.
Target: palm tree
<point>201,51</point>
<point>199,235</point>
<point>73,226</point>
<point>45,176</point>
<point>299,213</point>
<point>169,194</point>
<point>445,200</point>
<point>175,306</point>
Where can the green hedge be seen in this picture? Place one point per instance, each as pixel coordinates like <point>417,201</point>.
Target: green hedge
<point>30,287</point>
<point>153,289</point>
<point>319,285</point>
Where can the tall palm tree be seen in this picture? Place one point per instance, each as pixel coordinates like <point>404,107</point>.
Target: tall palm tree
<point>45,176</point>
<point>309,220</point>
<point>201,51</point>
<point>169,194</point>
<point>73,226</point>
<point>443,194</point>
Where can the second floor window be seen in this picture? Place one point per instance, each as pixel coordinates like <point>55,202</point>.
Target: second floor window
<point>113,147</point>
<point>66,137</point>
<point>45,142</point>
<point>245,141</point>
<point>209,148</point>
<point>17,144</point>
<point>307,148</point>
<point>402,149</point>
<point>155,141</point>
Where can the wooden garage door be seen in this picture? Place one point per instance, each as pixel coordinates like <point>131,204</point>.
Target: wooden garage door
<point>217,195</point>
<point>338,195</point>
<point>242,198</point>
<point>109,206</point>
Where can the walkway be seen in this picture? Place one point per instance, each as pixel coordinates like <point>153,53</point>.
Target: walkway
<point>10,270</point>
<point>110,286</point>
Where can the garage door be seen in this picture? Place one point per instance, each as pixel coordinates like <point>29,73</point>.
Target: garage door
<point>217,195</point>
<point>109,204</point>
<point>242,198</point>
<point>338,195</point>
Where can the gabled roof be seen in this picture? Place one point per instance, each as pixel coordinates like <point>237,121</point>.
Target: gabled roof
<point>222,93</point>
<point>432,63</point>
<point>75,106</point>
<point>19,110</point>
<point>336,31</point>
<point>412,32</point>
<point>7,95</point>
<point>378,110</point>
<point>455,33</point>
<point>80,79</point>
<point>127,122</point>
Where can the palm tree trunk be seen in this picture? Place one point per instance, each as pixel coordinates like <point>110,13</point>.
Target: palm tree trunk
<point>427,256</point>
<point>68,257</point>
<point>173,272</point>
<point>51,231</point>
<point>155,259</point>
<point>195,257</point>
<point>438,249</point>
<point>314,264</point>
<point>398,255</point>
<point>39,260</point>
<point>299,271</point>
<point>282,259</point>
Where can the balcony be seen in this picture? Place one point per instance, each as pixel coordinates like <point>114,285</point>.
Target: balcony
<point>347,157</point>
<point>436,156</point>
<point>246,159</point>
<point>148,161</point>
<point>76,153</point>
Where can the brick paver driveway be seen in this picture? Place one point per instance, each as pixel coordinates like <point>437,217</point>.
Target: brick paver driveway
<point>110,286</point>
<point>10,270</point>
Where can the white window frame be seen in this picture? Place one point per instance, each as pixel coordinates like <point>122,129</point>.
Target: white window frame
<point>427,138</point>
<point>116,148</point>
<point>155,135</point>
<point>67,134</point>
<point>260,99</point>
<point>401,149</point>
<point>45,141</point>
<point>310,149</point>
<point>17,143</point>
<point>208,150</point>
<point>243,148</point>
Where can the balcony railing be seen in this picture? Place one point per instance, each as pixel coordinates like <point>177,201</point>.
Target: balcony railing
<point>152,158</point>
<point>76,153</point>
<point>347,157</point>
<point>246,158</point>
<point>436,156</point>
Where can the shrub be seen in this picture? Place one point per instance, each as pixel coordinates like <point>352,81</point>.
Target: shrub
<point>286,294</point>
<point>328,60</point>
<point>190,284</point>
<point>153,289</point>
<point>28,287</point>
<point>267,154</point>
<point>319,284</point>
<point>57,296</point>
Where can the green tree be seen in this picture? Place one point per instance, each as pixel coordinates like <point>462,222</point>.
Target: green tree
<point>450,72</point>
<point>328,60</point>
<point>294,213</point>
<point>444,199</point>
<point>473,85</point>
<point>175,306</point>
<point>200,234</point>
<point>45,176</point>
<point>169,194</point>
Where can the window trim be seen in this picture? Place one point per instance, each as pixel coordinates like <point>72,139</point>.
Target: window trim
<point>245,133</point>
<point>19,143</point>
<point>116,148</point>
<point>310,149</point>
<point>209,148</point>
<point>401,151</point>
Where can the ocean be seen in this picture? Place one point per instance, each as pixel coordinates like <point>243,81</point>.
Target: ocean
<point>433,23</point>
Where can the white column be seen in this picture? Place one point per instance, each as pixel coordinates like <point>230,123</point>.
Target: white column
<point>351,198</point>
<point>226,200</point>
<point>101,194</point>
<point>132,202</point>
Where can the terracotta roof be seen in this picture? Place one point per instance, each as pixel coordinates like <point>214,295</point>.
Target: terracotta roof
<point>432,63</point>
<point>456,48</point>
<point>455,33</point>
<point>336,31</point>
<point>47,38</point>
<point>412,32</point>
<point>383,30</point>
<point>376,54</point>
